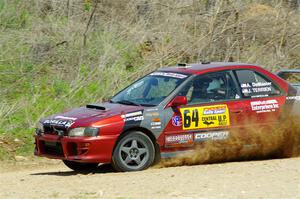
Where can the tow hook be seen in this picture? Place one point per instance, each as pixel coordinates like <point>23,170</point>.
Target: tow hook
<point>38,132</point>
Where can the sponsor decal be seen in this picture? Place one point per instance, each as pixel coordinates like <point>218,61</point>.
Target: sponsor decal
<point>152,114</point>
<point>213,110</point>
<point>214,135</point>
<point>264,106</point>
<point>134,116</point>
<point>156,123</point>
<point>55,122</point>
<point>151,109</point>
<point>137,118</point>
<point>65,118</point>
<point>155,127</point>
<point>176,121</point>
<point>157,119</point>
<point>205,117</point>
<point>179,140</point>
<point>297,98</point>
<point>257,96</point>
<point>167,74</point>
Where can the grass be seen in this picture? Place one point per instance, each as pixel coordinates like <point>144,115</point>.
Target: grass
<point>45,67</point>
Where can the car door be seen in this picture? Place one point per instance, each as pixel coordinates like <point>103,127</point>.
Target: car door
<point>214,110</point>
<point>262,96</point>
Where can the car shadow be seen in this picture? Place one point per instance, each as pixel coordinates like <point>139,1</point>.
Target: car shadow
<point>103,168</point>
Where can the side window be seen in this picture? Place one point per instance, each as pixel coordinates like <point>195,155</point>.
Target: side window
<point>254,84</point>
<point>210,88</point>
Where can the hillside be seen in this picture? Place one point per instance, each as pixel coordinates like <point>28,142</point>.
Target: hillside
<point>61,54</point>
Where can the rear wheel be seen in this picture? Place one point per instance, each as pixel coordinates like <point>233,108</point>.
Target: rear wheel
<point>78,166</point>
<point>134,152</point>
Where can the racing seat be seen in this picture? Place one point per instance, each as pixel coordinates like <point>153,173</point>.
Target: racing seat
<point>216,89</point>
<point>200,93</point>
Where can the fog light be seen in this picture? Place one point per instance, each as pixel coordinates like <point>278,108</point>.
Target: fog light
<point>84,145</point>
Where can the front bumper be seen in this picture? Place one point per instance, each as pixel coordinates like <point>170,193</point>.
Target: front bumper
<point>81,149</point>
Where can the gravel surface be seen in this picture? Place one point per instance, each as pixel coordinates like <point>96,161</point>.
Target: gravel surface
<point>279,178</point>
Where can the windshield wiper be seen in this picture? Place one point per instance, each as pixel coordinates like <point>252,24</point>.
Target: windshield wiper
<point>149,105</point>
<point>127,102</point>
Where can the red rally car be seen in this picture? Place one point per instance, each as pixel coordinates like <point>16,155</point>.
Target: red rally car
<point>165,113</point>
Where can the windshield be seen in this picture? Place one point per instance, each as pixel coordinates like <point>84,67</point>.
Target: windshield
<point>150,90</point>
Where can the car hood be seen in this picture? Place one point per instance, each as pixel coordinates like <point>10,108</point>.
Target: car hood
<point>83,116</point>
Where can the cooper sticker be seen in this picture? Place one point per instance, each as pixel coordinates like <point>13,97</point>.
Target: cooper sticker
<point>215,135</point>
<point>176,121</point>
<point>179,140</point>
<point>205,117</point>
<point>264,106</point>
<point>167,74</point>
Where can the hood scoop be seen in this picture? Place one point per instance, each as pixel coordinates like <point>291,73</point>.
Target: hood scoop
<point>95,106</point>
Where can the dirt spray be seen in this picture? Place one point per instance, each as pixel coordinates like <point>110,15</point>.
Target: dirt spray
<point>268,142</point>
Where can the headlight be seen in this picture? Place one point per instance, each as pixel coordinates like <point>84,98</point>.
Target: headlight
<point>84,131</point>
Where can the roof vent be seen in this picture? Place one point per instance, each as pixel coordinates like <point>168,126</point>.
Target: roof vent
<point>181,64</point>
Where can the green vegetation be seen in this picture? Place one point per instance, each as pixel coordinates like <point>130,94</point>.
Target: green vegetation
<point>56,55</point>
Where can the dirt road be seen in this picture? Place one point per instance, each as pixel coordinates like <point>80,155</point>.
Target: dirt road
<point>254,179</point>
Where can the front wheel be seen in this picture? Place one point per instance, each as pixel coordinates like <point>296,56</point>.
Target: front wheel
<point>134,152</point>
<point>78,166</point>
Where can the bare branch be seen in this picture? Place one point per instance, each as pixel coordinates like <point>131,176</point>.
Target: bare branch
<point>89,22</point>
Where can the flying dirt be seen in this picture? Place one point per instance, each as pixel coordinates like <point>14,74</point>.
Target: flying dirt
<point>284,142</point>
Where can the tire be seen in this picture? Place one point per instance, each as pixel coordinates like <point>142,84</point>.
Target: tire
<point>133,152</point>
<point>78,166</point>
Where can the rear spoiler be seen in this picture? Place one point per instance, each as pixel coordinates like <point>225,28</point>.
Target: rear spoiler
<point>286,74</point>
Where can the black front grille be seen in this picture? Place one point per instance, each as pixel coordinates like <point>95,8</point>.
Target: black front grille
<point>54,130</point>
<point>53,148</point>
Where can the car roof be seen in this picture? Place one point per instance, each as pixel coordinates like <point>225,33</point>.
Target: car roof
<point>197,68</point>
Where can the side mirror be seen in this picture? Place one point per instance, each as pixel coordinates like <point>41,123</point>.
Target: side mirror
<point>178,101</point>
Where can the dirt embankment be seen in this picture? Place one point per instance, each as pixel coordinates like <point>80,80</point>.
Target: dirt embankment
<point>278,178</point>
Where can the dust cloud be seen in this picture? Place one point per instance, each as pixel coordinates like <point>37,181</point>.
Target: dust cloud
<point>250,144</point>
